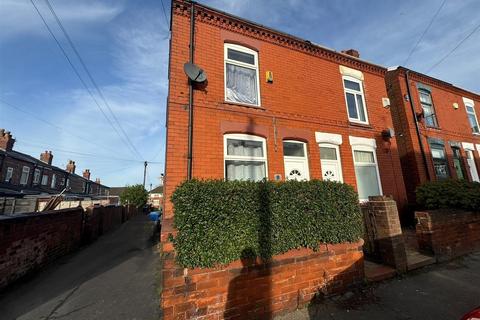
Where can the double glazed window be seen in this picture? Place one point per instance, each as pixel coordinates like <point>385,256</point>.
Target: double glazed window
<point>355,99</point>
<point>428,109</point>
<point>241,75</point>
<point>9,174</point>
<point>44,180</point>
<point>458,163</point>
<point>366,172</point>
<point>472,117</point>
<point>24,176</point>
<point>54,181</point>
<point>245,157</point>
<point>440,163</point>
<point>36,176</point>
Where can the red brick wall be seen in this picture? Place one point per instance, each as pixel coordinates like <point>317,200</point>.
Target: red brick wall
<point>30,242</point>
<point>306,96</point>
<point>252,290</point>
<point>448,233</point>
<point>454,125</point>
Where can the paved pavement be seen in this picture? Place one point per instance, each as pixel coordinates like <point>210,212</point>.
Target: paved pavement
<point>113,278</point>
<point>440,292</point>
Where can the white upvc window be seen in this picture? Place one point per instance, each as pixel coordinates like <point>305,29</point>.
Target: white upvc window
<point>355,100</point>
<point>241,75</point>
<point>245,157</point>
<point>24,176</point>
<point>330,162</point>
<point>366,167</point>
<point>295,158</point>
<point>68,183</point>
<point>54,181</point>
<point>472,116</point>
<point>9,174</point>
<point>36,176</point>
<point>44,180</point>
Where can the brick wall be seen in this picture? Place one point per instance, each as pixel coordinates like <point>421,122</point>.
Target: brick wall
<point>30,242</point>
<point>453,125</point>
<point>448,233</point>
<point>253,290</point>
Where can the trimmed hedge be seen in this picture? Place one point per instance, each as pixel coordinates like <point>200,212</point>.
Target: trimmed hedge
<point>221,221</point>
<point>454,194</point>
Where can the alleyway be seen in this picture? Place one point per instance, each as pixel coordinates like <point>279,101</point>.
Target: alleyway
<point>113,278</point>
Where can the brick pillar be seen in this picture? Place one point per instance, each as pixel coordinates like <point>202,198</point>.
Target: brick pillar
<point>388,232</point>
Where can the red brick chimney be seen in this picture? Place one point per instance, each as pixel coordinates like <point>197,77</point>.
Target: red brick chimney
<point>352,52</point>
<point>6,140</point>
<point>86,174</point>
<point>46,157</point>
<point>71,166</point>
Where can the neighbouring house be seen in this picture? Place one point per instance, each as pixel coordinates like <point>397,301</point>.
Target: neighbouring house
<point>115,193</point>
<point>275,106</point>
<point>22,174</point>
<point>438,133</point>
<point>155,197</point>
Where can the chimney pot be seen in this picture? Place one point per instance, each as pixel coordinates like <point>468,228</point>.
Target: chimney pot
<point>352,52</point>
<point>6,140</point>
<point>86,174</point>
<point>71,166</point>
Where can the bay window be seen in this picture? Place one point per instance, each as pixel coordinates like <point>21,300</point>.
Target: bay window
<point>241,75</point>
<point>245,157</point>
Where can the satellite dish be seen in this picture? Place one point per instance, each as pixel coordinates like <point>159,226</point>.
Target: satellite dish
<point>194,72</point>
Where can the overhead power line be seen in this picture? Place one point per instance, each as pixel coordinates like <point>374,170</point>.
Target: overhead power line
<point>53,125</point>
<point>87,71</point>
<point>77,73</point>
<point>454,49</point>
<point>424,32</point>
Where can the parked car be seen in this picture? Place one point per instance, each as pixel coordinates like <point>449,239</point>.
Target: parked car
<point>472,315</point>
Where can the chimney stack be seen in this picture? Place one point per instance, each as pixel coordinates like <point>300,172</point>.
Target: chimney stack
<point>86,174</point>
<point>71,166</point>
<point>352,52</point>
<point>6,140</point>
<point>46,157</point>
<point>97,180</point>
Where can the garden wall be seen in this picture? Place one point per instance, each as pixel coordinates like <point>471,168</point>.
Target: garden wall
<point>448,233</point>
<point>248,289</point>
<point>31,241</point>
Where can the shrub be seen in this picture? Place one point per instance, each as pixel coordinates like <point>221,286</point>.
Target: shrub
<point>454,194</point>
<point>136,195</point>
<point>218,220</point>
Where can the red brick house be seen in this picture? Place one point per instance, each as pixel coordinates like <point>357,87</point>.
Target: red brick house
<point>447,141</point>
<point>274,106</point>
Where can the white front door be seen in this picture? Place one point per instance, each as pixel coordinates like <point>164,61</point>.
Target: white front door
<point>296,169</point>
<point>471,164</point>
<point>295,160</point>
<point>330,162</point>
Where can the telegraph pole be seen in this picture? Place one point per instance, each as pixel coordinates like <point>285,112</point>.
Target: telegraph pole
<point>144,173</point>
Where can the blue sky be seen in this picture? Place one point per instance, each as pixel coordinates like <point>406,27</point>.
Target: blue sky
<point>125,46</point>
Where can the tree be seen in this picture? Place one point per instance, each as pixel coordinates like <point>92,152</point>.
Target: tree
<point>136,195</point>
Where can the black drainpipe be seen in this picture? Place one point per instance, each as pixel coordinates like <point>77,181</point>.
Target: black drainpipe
<point>190,94</point>
<point>422,150</point>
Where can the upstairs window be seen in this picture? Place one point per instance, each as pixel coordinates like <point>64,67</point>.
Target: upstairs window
<point>24,176</point>
<point>54,181</point>
<point>245,157</point>
<point>355,99</point>
<point>44,180</point>
<point>36,176</point>
<point>472,117</point>
<point>241,75</point>
<point>428,109</point>
<point>9,174</point>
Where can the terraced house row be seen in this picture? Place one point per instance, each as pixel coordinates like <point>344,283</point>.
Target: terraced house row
<point>22,174</point>
<point>250,102</point>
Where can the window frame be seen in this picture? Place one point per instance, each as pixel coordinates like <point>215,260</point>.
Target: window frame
<point>474,113</point>
<point>438,146</point>
<point>255,67</point>
<point>355,92</point>
<point>247,137</point>
<point>363,164</point>
<point>46,180</point>
<point>53,182</point>
<point>434,114</point>
<point>26,171</point>
<point>36,176</point>
<point>9,174</point>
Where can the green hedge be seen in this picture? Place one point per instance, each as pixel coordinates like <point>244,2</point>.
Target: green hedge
<point>219,222</point>
<point>455,194</point>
